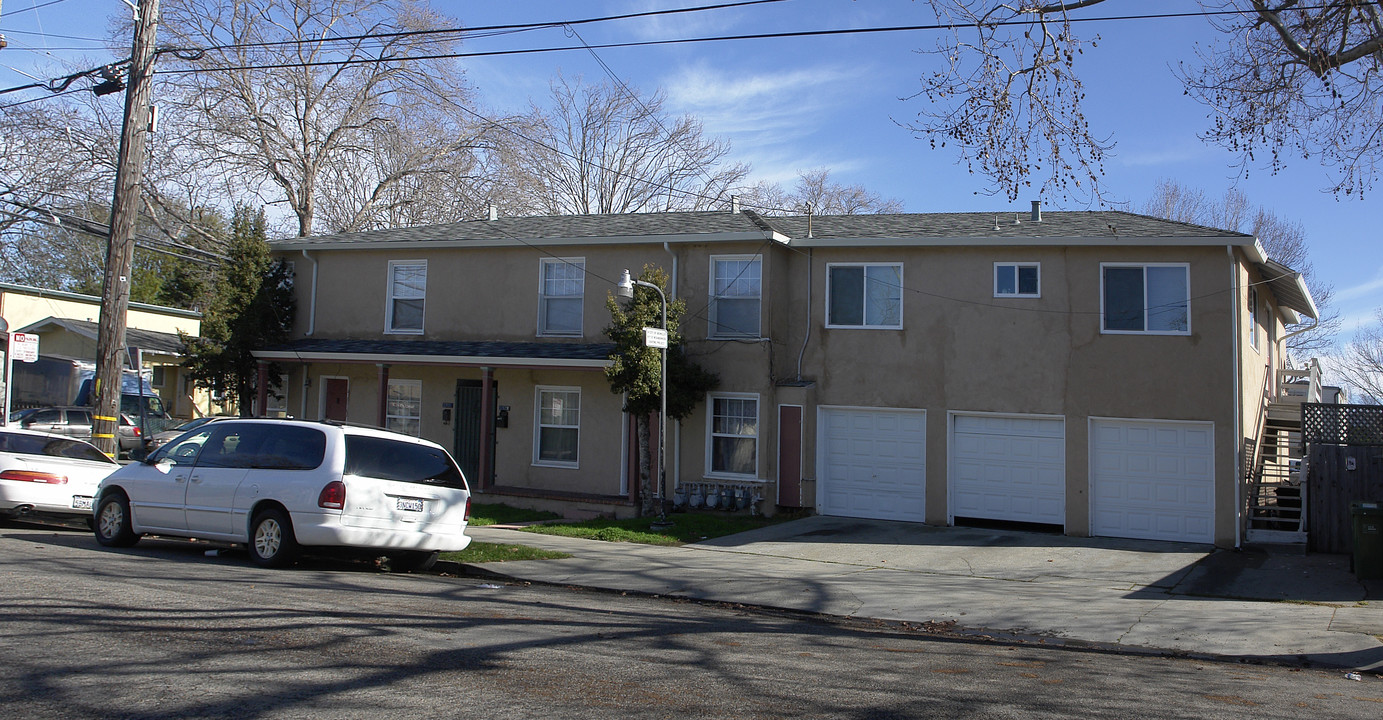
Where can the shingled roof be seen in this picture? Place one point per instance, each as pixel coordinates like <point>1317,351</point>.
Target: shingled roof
<point>556,354</point>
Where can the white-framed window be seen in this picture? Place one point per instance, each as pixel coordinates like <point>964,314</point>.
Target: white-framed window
<point>1149,298</point>
<point>1017,279</point>
<point>407,289</point>
<point>403,411</point>
<point>732,447</point>
<point>557,427</point>
<point>736,296</point>
<point>561,288</point>
<point>1253,318</point>
<point>276,400</point>
<point>864,295</point>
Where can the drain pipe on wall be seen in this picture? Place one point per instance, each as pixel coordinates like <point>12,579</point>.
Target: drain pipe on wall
<point>312,299</point>
<point>676,424</point>
<point>1238,386</point>
<point>808,336</point>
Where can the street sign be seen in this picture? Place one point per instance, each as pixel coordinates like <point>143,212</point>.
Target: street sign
<point>24,346</point>
<point>655,338</point>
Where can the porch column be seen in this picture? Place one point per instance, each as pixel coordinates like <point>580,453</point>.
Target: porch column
<point>383,413</point>
<point>261,389</point>
<point>487,428</point>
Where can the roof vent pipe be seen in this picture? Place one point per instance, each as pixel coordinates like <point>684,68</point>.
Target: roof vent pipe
<point>735,204</point>
<point>1037,211</point>
<point>494,211</point>
<point>809,220</point>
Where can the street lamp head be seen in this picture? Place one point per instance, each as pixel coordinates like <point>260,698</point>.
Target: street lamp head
<point>625,288</point>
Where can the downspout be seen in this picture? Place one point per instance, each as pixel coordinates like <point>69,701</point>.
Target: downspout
<point>676,424</point>
<point>808,336</point>
<point>312,299</point>
<point>1238,402</point>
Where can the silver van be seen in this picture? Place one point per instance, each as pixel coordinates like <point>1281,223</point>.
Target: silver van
<point>280,486</point>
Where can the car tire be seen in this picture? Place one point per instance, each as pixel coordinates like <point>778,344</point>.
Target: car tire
<point>272,543</point>
<point>413,561</point>
<point>112,522</point>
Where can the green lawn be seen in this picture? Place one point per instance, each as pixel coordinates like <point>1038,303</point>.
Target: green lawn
<point>500,514</point>
<point>686,528</point>
<point>479,552</point>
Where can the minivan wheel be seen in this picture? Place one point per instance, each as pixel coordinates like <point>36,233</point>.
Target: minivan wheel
<point>413,561</point>
<point>271,539</point>
<point>113,521</point>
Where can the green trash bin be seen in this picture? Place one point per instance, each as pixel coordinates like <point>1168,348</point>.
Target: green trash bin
<point>1368,539</point>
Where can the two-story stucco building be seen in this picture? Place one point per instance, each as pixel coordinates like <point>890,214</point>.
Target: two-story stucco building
<point>1100,372</point>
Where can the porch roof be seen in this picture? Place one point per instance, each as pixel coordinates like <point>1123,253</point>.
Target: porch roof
<point>441,352</point>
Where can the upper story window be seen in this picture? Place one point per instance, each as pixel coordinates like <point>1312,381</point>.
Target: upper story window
<point>407,288</point>
<point>561,287</point>
<point>736,296</point>
<point>1253,318</point>
<point>1017,280</point>
<point>1148,298</point>
<point>557,435</point>
<point>864,295</point>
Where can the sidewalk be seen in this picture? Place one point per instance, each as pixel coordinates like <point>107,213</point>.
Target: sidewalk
<point>1193,599</point>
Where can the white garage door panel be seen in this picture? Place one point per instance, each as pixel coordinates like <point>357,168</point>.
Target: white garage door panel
<point>1153,480</point>
<point>873,463</point>
<point>1008,468</point>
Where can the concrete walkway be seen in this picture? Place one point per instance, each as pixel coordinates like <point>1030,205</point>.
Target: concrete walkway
<point>1251,604</point>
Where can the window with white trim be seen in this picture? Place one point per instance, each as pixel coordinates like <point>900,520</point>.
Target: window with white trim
<point>866,295</point>
<point>1150,298</point>
<point>733,441</point>
<point>736,296</point>
<point>407,289</point>
<point>561,288</point>
<point>403,407</point>
<point>1253,318</point>
<point>1017,279</point>
<point>557,428</point>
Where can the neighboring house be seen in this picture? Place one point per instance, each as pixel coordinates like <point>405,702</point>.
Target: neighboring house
<point>1098,372</point>
<point>66,324</point>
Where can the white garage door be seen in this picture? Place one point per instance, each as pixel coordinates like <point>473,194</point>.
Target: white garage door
<point>1152,480</point>
<point>1008,468</point>
<point>872,463</point>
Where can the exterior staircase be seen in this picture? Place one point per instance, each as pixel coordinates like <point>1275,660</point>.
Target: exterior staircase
<point>1275,471</point>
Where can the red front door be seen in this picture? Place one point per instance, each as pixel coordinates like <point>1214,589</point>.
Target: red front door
<point>337,392</point>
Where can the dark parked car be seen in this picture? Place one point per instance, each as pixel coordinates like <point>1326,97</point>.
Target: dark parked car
<point>75,422</point>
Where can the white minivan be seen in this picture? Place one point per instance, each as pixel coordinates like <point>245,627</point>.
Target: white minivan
<point>278,486</point>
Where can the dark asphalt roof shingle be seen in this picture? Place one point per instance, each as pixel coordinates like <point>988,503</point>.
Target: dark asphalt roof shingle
<point>446,348</point>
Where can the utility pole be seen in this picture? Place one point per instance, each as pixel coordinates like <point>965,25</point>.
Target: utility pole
<point>115,291</point>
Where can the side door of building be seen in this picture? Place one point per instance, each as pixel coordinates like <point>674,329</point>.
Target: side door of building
<point>230,452</point>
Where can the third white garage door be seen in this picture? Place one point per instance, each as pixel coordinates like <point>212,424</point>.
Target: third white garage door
<point>872,463</point>
<point>1153,480</point>
<point>1006,467</point>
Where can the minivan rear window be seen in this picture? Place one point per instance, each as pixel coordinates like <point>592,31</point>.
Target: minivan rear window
<point>386,459</point>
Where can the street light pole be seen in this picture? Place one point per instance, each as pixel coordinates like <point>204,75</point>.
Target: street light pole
<point>625,289</point>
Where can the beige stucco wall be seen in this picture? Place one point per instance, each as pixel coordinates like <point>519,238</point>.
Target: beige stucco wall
<point>21,309</point>
<point>960,349</point>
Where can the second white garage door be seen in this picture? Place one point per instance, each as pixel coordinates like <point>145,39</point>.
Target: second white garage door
<point>1152,480</point>
<point>872,463</point>
<point>1009,468</point>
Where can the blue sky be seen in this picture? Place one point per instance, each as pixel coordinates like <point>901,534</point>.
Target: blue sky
<point>788,105</point>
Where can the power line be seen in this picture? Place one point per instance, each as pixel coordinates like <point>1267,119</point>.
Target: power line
<point>31,8</point>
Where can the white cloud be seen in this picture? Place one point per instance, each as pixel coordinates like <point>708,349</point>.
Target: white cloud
<point>1371,287</point>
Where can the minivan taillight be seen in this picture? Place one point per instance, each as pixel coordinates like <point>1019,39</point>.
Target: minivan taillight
<point>333,495</point>
<point>467,516</point>
<point>40,477</point>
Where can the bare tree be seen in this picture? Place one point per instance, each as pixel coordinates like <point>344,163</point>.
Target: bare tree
<point>1284,76</point>
<point>301,100</point>
<point>607,149</point>
<point>1284,240</point>
<point>1362,362</point>
<point>815,191</point>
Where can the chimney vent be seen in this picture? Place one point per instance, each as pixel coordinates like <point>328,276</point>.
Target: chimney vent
<point>1037,211</point>
<point>735,204</point>
<point>494,211</point>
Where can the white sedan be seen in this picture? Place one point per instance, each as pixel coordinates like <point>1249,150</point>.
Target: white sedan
<point>49,475</point>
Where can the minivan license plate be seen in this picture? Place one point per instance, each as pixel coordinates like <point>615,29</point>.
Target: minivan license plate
<point>411,504</point>
<point>82,502</point>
